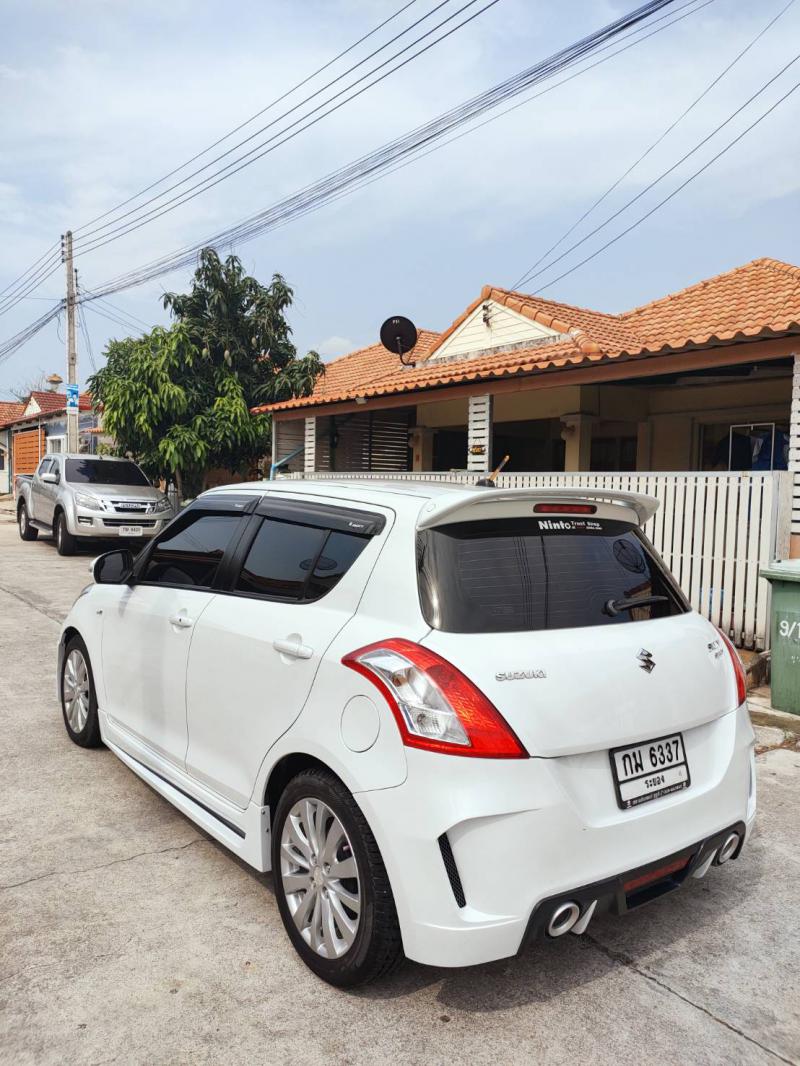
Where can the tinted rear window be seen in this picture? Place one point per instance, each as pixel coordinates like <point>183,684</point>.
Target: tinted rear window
<point>536,573</point>
<point>103,472</point>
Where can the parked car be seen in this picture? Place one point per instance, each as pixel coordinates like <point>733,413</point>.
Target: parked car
<point>450,720</point>
<point>71,497</point>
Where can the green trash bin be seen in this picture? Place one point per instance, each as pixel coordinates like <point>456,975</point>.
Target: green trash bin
<point>785,580</point>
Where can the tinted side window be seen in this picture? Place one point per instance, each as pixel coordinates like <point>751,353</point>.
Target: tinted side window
<point>191,554</point>
<point>339,553</point>
<point>293,562</point>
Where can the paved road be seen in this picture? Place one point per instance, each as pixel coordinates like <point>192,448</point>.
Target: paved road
<point>127,936</point>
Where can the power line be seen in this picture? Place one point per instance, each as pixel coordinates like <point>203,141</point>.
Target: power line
<point>530,272</point>
<point>664,174</point>
<point>395,151</point>
<point>258,114</point>
<point>37,273</point>
<point>283,135</point>
<point>675,192</point>
<point>13,344</point>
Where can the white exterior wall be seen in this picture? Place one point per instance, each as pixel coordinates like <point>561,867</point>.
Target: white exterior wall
<point>504,327</point>
<point>310,453</point>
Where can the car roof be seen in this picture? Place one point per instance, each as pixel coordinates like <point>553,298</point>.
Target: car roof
<point>440,500</point>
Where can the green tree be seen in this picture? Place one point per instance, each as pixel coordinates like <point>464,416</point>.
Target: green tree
<point>180,399</point>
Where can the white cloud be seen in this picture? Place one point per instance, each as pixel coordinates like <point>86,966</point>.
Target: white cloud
<point>333,346</point>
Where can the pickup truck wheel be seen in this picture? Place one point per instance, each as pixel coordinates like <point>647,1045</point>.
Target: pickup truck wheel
<point>333,892</point>
<point>26,530</point>
<point>65,542</point>
<point>78,699</point>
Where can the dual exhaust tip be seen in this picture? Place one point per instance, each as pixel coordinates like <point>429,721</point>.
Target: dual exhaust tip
<point>728,848</point>
<point>567,917</point>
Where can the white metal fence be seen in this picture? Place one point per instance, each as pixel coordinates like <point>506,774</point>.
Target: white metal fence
<point>713,530</point>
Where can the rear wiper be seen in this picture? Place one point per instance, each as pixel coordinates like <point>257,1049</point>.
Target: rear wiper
<point>613,607</point>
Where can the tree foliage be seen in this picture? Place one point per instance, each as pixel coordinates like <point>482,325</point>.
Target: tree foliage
<point>180,399</point>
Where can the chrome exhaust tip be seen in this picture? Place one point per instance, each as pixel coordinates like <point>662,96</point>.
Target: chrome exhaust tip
<point>563,918</point>
<point>728,848</point>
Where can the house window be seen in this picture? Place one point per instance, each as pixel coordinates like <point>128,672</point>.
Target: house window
<point>55,445</point>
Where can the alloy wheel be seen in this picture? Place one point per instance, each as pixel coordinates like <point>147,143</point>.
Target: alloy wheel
<point>76,690</point>
<point>23,521</point>
<point>320,878</point>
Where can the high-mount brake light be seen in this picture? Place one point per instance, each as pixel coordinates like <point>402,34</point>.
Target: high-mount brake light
<point>435,706</point>
<point>738,670</point>
<point>564,508</point>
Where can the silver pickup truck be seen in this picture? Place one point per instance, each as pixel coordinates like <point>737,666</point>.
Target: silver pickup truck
<point>76,496</point>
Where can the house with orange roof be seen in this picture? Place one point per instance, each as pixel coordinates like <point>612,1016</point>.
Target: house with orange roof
<point>694,396</point>
<point>37,427</point>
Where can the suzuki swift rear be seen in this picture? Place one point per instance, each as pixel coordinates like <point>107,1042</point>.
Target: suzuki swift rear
<point>452,721</point>
<point>577,737</point>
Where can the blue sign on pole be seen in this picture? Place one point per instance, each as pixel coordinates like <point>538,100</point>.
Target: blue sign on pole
<point>72,398</point>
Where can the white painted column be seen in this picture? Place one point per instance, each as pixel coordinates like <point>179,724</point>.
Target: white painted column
<point>310,452</point>
<point>794,459</point>
<point>479,434</point>
<point>275,453</point>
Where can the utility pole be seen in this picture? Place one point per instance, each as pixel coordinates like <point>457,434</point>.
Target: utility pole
<point>72,350</point>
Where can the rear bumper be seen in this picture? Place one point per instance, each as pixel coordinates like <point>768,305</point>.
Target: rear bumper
<point>525,833</point>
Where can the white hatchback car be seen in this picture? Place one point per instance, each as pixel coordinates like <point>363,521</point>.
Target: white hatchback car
<point>451,720</point>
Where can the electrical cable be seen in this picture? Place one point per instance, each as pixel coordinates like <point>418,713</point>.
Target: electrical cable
<point>528,273</point>
<point>642,192</point>
<point>392,152</point>
<point>256,153</point>
<point>258,114</point>
<point>675,191</point>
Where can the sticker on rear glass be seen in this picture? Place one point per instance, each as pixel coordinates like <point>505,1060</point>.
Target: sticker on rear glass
<point>569,525</point>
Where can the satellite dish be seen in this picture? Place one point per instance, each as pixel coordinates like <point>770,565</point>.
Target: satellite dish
<point>399,335</point>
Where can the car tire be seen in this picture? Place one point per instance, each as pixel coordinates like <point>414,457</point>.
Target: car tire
<point>26,530</point>
<point>78,696</point>
<point>65,542</point>
<point>352,935</point>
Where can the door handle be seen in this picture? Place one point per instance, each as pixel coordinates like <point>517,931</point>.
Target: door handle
<point>180,621</point>
<point>293,648</point>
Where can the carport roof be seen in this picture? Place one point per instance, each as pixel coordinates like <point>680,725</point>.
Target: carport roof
<point>758,300</point>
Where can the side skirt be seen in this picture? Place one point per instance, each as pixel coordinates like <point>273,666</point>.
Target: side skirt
<point>250,839</point>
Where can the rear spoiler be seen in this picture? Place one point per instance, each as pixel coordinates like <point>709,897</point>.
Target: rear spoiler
<point>445,508</point>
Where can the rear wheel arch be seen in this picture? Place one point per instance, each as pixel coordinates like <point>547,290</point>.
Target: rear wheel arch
<point>286,768</point>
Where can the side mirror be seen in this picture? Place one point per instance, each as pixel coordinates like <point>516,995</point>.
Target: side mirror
<point>50,479</point>
<point>112,568</point>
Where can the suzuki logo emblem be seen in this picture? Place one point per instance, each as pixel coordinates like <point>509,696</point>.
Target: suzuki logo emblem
<point>646,660</point>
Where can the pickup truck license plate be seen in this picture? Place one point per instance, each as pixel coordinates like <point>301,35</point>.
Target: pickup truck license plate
<point>646,771</point>
<point>130,531</point>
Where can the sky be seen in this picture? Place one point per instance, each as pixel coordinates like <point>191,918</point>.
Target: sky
<point>100,98</point>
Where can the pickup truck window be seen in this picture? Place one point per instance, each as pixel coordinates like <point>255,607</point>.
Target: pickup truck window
<point>104,472</point>
<point>44,466</point>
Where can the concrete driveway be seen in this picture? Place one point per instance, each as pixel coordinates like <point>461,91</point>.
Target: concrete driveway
<point>128,936</point>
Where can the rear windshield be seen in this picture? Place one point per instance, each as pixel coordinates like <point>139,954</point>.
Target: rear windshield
<point>104,472</point>
<point>508,575</point>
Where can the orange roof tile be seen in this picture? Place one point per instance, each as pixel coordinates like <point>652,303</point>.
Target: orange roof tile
<point>10,411</point>
<point>759,299</point>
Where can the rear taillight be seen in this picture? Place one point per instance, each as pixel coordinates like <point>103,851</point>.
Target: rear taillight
<point>738,669</point>
<point>435,706</point>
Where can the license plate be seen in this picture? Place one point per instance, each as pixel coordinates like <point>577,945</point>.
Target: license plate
<point>643,772</point>
<point>130,531</point>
